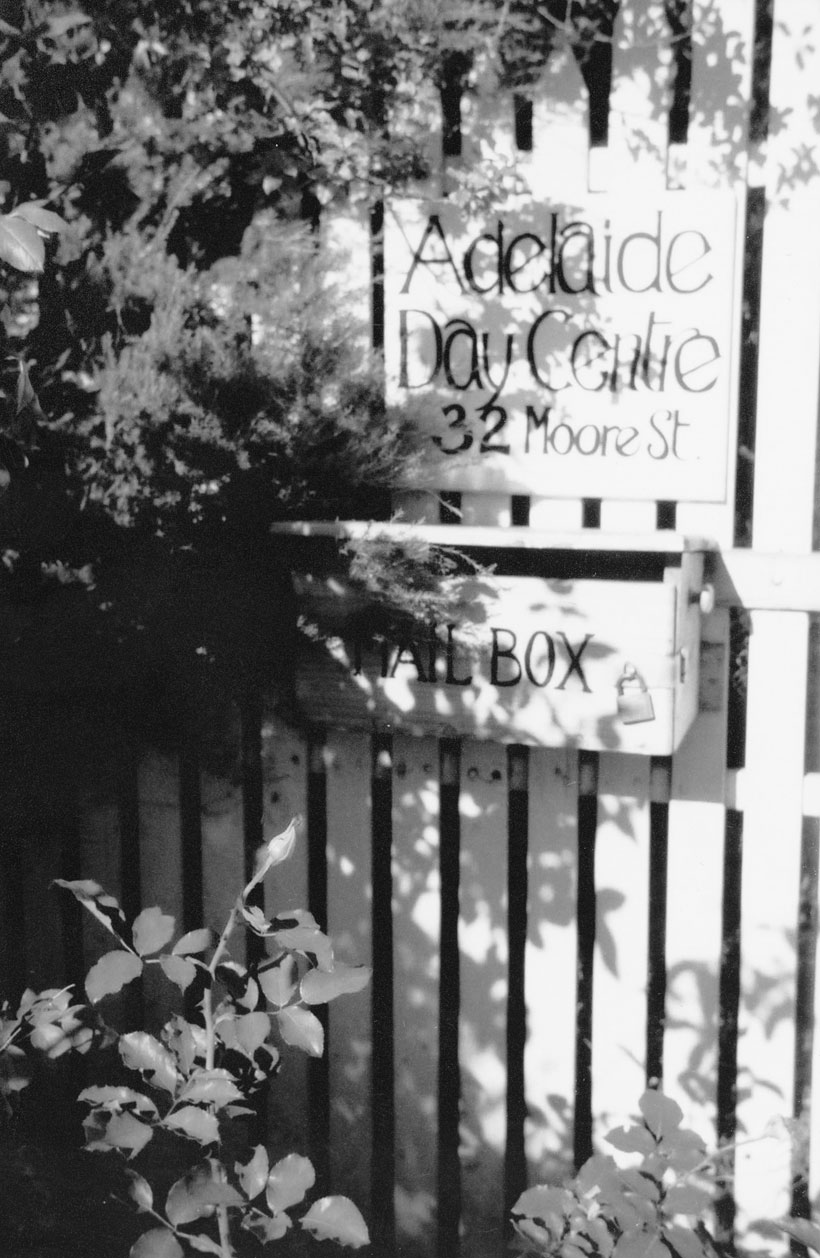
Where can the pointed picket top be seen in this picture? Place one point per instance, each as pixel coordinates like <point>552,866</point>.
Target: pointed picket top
<point>716,150</point>
<point>717,155</point>
<point>489,161</point>
<point>560,128</point>
<point>559,170</point>
<point>640,98</point>
<point>486,117</point>
<point>788,154</point>
<point>415,116</point>
<point>346,235</point>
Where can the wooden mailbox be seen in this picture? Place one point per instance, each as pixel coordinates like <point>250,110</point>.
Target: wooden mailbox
<point>562,645</point>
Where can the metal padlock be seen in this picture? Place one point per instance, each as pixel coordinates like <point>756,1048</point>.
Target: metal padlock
<point>634,700</point>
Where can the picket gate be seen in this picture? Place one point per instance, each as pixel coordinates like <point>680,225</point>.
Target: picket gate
<point>550,929</point>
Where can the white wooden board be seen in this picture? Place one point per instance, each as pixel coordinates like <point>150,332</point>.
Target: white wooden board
<point>550,964</point>
<point>416,936</point>
<point>482,1027</point>
<point>349,899</point>
<point>621,944</point>
<point>697,819</point>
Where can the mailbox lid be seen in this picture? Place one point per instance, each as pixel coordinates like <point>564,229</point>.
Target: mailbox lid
<point>533,661</point>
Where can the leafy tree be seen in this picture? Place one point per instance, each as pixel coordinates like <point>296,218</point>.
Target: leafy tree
<point>191,1090</point>
<point>181,375</point>
<point>192,378</point>
<point>183,144</point>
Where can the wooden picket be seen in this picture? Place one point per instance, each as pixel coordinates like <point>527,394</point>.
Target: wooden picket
<point>622,847</point>
<point>285,775</point>
<point>550,929</point>
<point>713,156</point>
<point>788,350</point>
<point>482,1012</point>
<point>550,967</point>
<point>349,896</point>
<point>416,886</point>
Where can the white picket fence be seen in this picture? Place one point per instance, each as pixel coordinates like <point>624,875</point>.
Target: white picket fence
<point>685,888</point>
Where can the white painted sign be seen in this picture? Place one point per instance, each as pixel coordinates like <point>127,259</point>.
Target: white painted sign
<point>567,350</point>
<point>530,660</point>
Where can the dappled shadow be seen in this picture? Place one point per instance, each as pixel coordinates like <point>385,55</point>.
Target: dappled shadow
<point>536,660</point>
<point>565,349</point>
<point>391,692</point>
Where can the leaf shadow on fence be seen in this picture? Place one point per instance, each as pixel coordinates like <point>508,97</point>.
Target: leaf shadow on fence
<point>35,798</point>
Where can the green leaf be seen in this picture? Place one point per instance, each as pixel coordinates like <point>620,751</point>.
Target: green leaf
<point>193,941</point>
<point>47,1005</point>
<point>123,1131</point>
<point>57,1038</point>
<point>632,1139</point>
<point>686,1243</point>
<point>196,1123</point>
<point>15,1070</point>
<point>252,1029</point>
<point>102,906</point>
<point>600,1237</point>
<point>26,397</point>
<point>638,1243</point>
<point>253,1176</point>
<point>687,1199</point>
<point>309,940</point>
<point>115,1099</point>
<point>803,1230</point>
<point>301,1029</point>
<point>288,1182</point>
<point>642,1185</point>
<point>184,1041</point>
<point>291,918</point>
<point>626,1214</point>
<point>278,981</point>
<point>158,1243</point>
<point>152,930</point>
<point>550,1206</point>
<point>319,986</point>
<point>140,1191</point>
<point>239,983</point>
<point>683,1149</point>
<point>178,970</point>
<point>264,1228</point>
<point>597,1172</point>
<point>537,1239</point>
<point>212,1087</point>
<point>661,1115</point>
<point>35,213</point>
<point>140,1051</point>
<point>195,1195</point>
<point>256,919</point>
<point>337,1219</point>
<point>111,973</point>
<point>204,1244</point>
<point>21,245</point>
